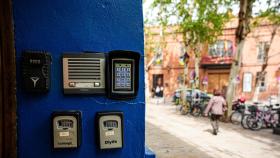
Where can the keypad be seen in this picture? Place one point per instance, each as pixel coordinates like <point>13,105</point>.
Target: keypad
<point>122,76</point>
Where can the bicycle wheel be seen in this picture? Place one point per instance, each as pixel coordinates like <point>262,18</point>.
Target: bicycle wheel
<point>254,123</point>
<point>236,118</point>
<point>196,111</point>
<point>244,121</point>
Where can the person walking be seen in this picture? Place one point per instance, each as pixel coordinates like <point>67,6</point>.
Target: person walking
<point>217,107</point>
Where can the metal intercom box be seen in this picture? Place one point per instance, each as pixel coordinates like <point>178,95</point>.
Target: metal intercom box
<point>110,130</point>
<point>66,129</point>
<point>84,73</point>
<point>36,67</point>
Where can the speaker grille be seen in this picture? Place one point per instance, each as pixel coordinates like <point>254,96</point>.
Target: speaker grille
<point>84,73</point>
<point>84,69</point>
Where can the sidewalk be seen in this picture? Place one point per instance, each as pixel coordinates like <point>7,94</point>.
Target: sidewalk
<point>166,145</point>
<point>171,135</point>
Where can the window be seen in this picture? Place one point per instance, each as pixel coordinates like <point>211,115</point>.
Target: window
<point>262,48</point>
<point>247,82</point>
<point>222,48</point>
<point>261,78</point>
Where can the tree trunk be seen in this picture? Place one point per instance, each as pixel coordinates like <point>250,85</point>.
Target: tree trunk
<point>184,84</point>
<point>186,44</point>
<point>196,67</point>
<point>243,28</point>
<point>256,93</point>
<point>233,75</point>
<point>264,65</point>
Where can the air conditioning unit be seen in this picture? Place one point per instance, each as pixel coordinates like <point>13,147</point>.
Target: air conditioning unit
<point>84,73</point>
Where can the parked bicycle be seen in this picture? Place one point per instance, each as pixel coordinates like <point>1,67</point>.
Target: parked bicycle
<point>198,105</point>
<point>195,105</point>
<point>239,110</point>
<point>267,116</point>
<point>249,110</point>
<point>196,101</point>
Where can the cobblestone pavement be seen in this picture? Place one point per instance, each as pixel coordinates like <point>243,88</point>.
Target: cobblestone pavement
<point>171,135</point>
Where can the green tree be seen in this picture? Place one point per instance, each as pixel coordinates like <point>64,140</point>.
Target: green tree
<point>271,13</point>
<point>199,22</point>
<point>243,28</point>
<point>202,21</point>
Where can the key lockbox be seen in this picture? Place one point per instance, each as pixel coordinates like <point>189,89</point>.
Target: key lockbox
<point>110,130</point>
<point>66,129</point>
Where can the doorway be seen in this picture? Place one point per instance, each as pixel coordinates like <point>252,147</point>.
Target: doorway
<point>217,81</point>
<point>158,85</point>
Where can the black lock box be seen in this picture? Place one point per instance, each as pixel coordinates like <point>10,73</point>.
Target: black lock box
<point>36,71</point>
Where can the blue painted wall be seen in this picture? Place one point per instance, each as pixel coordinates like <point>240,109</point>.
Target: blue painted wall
<point>75,25</point>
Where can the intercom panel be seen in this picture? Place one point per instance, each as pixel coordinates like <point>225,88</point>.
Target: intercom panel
<point>84,73</point>
<point>36,69</point>
<point>110,130</point>
<point>123,74</point>
<point>66,129</point>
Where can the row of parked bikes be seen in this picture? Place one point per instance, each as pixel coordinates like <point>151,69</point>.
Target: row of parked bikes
<point>253,116</point>
<point>196,102</point>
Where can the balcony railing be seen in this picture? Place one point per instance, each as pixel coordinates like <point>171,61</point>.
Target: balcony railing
<point>209,60</point>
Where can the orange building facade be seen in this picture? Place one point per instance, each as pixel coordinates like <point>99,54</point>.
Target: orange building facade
<point>164,61</point>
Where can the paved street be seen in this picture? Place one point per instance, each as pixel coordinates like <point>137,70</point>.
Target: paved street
<point>171,135</point>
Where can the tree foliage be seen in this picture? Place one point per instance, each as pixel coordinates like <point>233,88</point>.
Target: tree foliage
<point>199,21</point>
<point>271,12</point>
<point>268,12</point>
